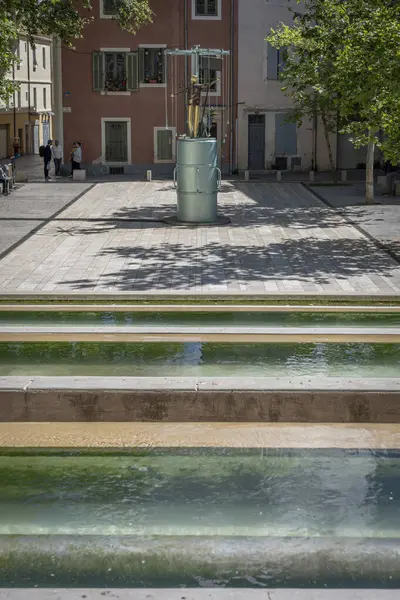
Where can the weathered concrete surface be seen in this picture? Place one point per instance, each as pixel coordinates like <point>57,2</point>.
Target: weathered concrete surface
<point>197,594</point>
<point>282,240</point>
<point>198,435</point>
<point>183,405</point>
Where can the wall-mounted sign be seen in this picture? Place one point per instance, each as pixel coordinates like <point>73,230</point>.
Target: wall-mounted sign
<point>66,109</point>
<point>67,94</point>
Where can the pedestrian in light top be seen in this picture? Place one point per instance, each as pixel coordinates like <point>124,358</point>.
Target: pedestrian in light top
<point>76,157</point>
<point>58,155</point>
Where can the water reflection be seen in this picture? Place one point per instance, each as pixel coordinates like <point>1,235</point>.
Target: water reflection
<point>201,518</point>
<point>200,359</point>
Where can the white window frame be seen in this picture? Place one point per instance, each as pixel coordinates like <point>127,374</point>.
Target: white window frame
<point>152,85</point>
<point>218,90</point>
<point>206,17</point>
<point>157,160</point>
<point>119,51</point>
<point>102,15</point>
<point>126,120</point>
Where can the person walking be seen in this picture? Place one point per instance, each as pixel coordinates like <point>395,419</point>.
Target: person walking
<point>47,160</point>
<point>58,155</point>
<point>76,157</point>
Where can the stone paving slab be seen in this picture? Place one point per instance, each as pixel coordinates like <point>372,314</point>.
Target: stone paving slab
<point>29,206</point>
<point>381,221</point>
<point>282,240</point>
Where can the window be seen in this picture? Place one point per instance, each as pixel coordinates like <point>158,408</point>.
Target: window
<point>44,98</point>
<point>276,60</point>
<point>18,54</point>
<point>26,96</point>
<point>108,8</point>
<point>206,9</point>
<point>210,73</point>
<point>164,145</point>
<point>116,140</point>
<point>26,47</point>
<point>151,68</point>
<point>44,57</point>
<point>19,99</point>
<point>34,59</point>
<point>35,98</point>
<point>115,71</point>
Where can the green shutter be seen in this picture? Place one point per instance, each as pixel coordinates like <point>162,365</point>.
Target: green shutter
<point>98,79</point>
<point>164,144</point>
<point>133,71</point>
<point>141,65</point>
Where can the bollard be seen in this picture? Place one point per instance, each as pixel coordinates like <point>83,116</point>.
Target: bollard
<point>246,175</point>
<point>312,176</point>
<point>148,175</point>
<point>343,176</point>
<point>279,175</point>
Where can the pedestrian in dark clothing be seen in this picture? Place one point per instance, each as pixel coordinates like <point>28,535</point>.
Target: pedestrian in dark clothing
<point>47,160</point>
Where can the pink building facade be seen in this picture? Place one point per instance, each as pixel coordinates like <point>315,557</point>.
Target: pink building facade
<point>114,86</point>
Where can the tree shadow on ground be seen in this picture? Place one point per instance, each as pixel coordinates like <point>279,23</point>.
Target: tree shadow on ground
<point>180,266</point>
<point>247,205</point>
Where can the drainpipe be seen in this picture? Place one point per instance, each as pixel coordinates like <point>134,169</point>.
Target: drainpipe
<point>29,150</point>
<point>56,77</point>
<point>232,90</point>
<point>14,107</point>
<point>186,43</point>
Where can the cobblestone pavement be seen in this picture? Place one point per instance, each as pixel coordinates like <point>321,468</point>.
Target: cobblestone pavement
<point>282,239</point>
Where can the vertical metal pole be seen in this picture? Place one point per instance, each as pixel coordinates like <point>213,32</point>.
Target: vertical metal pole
<point>166,89</point>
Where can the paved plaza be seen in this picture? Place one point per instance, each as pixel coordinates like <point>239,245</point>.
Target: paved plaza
<point>110,238</point>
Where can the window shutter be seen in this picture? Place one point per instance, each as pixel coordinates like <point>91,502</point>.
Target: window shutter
<point>282,53</point>
<point>285,136</point>
<point>98,83</point>
<point>164,144</point>
<point>141,65</point>
<point>132,71</point>
<point>272,62</point>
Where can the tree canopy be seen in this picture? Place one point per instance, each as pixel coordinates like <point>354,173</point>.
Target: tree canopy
<point>344,61</point>
<point>65,19</point>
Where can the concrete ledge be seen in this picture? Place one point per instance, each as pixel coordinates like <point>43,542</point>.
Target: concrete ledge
<point>208,400</point>
<point>198,560</point>
<point>196,594</point>
<point>117,436</point>
<point>248,296</point>
<point>125,333</point>
<point>203,308</point>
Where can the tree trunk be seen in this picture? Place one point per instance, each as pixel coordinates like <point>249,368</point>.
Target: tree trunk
<point>328,144</point>
<point>369,174</point>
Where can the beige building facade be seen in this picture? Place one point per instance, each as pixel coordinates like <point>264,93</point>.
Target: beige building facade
<point>26,123</point>
<point>266,141</point>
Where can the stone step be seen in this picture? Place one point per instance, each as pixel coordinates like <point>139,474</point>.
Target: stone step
<point>123,333</point>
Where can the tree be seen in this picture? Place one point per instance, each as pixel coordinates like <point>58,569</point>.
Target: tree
<point>64,19</point>
<point>307,69</point>
<point>346,55</point>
